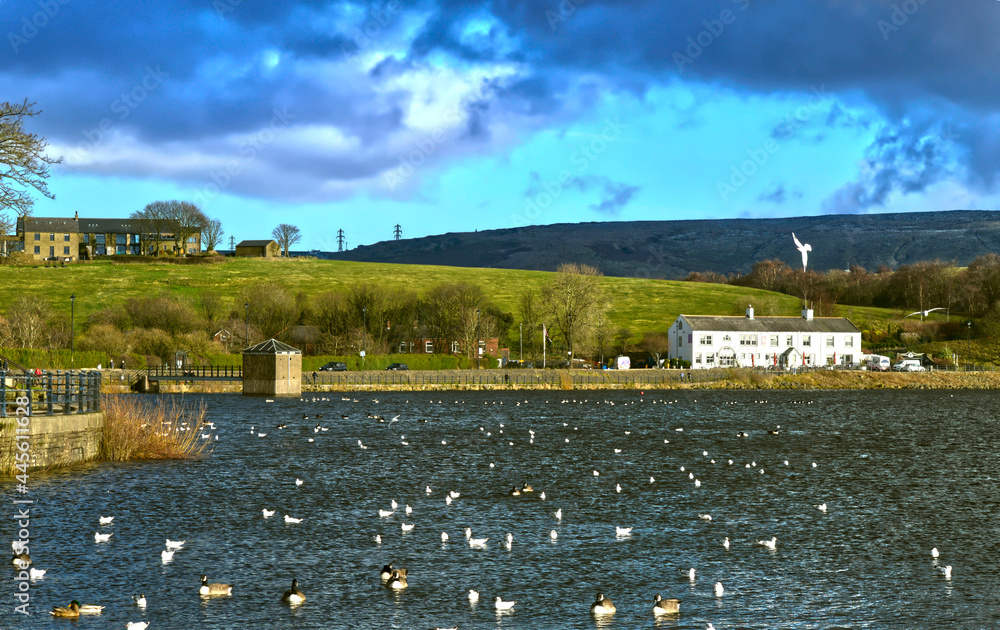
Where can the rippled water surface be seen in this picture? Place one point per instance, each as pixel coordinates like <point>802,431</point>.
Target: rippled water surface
<point>901,473</point>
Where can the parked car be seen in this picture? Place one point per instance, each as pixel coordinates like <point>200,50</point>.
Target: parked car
<point>334,366</point>
<point>398,366</point>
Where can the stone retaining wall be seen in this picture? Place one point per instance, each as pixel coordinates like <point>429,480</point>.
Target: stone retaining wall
<point>58,440</point>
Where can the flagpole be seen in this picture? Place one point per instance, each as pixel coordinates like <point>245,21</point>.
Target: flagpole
<point>544,335</point>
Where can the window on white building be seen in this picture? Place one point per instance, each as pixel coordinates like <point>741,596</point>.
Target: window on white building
<point>748,340</point>
<point>727,339</point>
<point>848,341</point>
<point>829,341</point>
<point>789,340</point>
<point>774,341</point>
<point>710,359</point>
<point>807,341</point>
<point>697,359</point>
<point>705,340</point>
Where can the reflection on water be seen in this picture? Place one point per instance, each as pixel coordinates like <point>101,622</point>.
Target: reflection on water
<point>900,472</point>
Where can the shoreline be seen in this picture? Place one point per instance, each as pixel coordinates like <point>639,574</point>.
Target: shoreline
<point>638,380</point>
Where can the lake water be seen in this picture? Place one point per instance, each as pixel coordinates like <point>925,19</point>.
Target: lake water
<point>902,472</point>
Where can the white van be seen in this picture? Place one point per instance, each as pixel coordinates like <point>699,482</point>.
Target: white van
<point>908,365</point>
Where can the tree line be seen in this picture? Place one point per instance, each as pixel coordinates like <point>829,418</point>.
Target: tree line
<point>364,316</point>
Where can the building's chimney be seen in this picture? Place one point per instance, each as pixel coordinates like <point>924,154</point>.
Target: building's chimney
<point>750,312</point>
<point>76,215</point>
<point>807,314</point>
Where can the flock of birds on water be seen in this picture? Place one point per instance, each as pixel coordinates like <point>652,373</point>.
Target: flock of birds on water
<point>396,578</point>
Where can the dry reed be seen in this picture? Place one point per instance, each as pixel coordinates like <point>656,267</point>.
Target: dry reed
<point>137,429</point>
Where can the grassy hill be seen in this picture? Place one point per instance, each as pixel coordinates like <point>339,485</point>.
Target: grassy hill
<point>638,304</point>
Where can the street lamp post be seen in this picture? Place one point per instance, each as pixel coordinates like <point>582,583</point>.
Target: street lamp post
<point>520,339</point>
<point>246,329</point>
<point>477,339</point>
<point>72,313</point>
<point>364,333</point>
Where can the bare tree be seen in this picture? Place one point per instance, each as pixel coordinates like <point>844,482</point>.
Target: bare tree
<point>23,164</point>
<point>573,299</point>
<point>656,345</point>
<point>212,234</point>
<point>27,320</point>
<point>286,235</point>
<point>189,221</point>
<point>153,222</point>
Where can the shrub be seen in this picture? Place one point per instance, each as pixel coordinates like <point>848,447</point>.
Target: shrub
<point>137,429</point>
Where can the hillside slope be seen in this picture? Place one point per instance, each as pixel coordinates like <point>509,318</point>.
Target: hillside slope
<point>673,249</point>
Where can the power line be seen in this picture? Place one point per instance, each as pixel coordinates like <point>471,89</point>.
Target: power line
<point>397,232</point>
<point>340,240</point>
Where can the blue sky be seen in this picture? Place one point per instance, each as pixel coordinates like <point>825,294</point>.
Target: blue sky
<point>444,116</point>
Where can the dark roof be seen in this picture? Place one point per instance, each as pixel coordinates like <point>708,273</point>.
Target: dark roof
<point>771,324</point>
<point>255,243</point>
<point>48,224</point>
<point>110,226</point>
<point>272,346</point>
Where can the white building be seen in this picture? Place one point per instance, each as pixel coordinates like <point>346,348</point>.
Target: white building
<point>785,342</point>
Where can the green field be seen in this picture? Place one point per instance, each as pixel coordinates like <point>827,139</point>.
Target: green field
<point>638,304</point>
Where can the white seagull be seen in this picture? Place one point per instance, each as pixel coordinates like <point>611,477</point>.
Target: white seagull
<point>289,519</point>
<point>770,544</point>
<point>719,591</point>
<point>267,513</point>
<point>502,605</point>
<point>106,520</point>
<point>175,544</point>
<point>821,507</point>
<point>804,249</point>
<point>137,625</point>
<point>166,556</point>
<point>623,531</point>
<point>473,595</point>
<point>98,537</point>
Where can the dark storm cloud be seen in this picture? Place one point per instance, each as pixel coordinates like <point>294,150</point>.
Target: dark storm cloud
<point>900,55</point>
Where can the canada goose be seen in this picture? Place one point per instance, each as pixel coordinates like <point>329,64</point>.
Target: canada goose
<point>602,606</point>
<point>293,595</point>
<point>214,589</point>
<point>386,573</point>
<point>666,606</point>
<point>527,488</point>
<point>20,560</point>
<point>398,579</point>
<point>70,612</point>
<point>514,492</point>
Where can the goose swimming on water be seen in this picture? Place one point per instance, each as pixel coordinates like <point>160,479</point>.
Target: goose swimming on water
<point>666,606</point>
<point>293,595</point>
<point>602,606</point>
<point>214,589</point>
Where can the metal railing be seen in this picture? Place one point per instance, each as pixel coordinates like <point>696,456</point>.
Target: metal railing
<point>167,372</point>
<point>51,393</point>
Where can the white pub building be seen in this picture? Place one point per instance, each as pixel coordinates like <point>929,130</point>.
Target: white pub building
<point>783,342</point>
